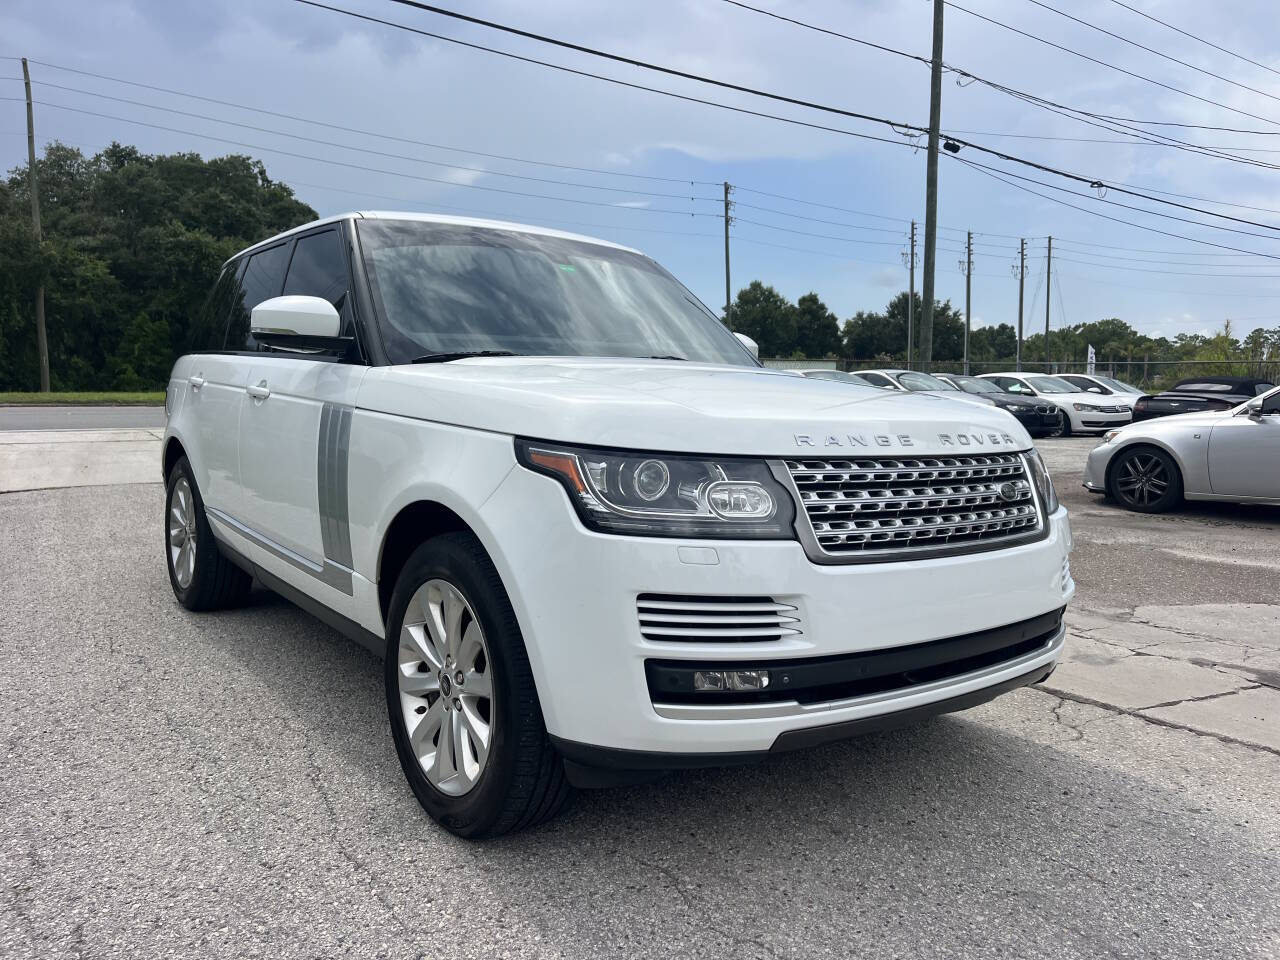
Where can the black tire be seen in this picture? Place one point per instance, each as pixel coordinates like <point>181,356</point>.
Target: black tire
<point>216,582</point>
<point>523,781</point>
<point>1065,425</point>
<point>1144,479</point>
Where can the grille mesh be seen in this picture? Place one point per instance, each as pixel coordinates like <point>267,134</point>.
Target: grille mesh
<point>873,506</point>
<point>681,619</point>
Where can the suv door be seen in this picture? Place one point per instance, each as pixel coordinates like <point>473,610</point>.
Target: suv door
<point>214,390</point>
<point>1244,453</point>
<point>294,434</point>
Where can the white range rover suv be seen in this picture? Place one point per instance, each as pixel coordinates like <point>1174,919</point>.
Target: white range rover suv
<point>591,536</point>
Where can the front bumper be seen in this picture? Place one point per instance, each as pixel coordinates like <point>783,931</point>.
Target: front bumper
<point>1093,420</point>
<point>1095,467</point>
<point>579,618</point>
<point>1037,423</point>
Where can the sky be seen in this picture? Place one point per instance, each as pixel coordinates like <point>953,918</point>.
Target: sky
<point>813,210</point>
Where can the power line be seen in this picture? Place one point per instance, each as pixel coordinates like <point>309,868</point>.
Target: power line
<point>364,133</point>
<point>366,169</point>
<point>809,104</point>
<point>1130,223</point>
<point>1181,273</point>
<point>377,153</point>
<point>829,32</point>
<point>1129,206</point>
<point>614,80</point>
<point>1165,56</point>
<point>1102,63</point>
<point>435,205</point>
<point>1198,39</point>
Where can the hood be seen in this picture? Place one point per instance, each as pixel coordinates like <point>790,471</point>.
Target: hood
<point>683,407</point>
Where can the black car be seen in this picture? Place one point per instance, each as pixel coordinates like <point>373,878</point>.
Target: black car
<point>1200,393</point>
<point>1041,419</point>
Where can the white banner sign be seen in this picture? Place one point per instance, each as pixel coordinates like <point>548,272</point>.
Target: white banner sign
<point>1093,360</point>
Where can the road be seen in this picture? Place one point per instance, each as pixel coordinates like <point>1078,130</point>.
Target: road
<point>55,417</point>
<point>224,786</point>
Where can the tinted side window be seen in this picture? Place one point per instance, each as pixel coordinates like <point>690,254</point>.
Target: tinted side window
<point>876,380</point>
<point>210,329</point>
<point>318,269</point>
<point>262,278</point>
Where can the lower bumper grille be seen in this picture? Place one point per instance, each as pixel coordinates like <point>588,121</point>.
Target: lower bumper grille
<point>823,679</point>
<point>882,508</point>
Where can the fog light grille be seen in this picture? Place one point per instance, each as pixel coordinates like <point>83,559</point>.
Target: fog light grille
<point>670,618</point>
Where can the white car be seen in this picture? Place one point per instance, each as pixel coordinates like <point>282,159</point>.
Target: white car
<point>1152,465</point>
<point>592,537</point>
<point>1084,412</point>
<point>1118,390</point>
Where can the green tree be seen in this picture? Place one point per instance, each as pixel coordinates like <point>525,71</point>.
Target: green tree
<point>132,244</point>
<point>817,328</point>
<point>767,317</point>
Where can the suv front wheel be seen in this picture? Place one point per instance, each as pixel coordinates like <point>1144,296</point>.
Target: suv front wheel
<point>461,700</point>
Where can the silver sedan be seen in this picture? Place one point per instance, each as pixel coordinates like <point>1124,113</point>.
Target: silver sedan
<point>1232,455</point>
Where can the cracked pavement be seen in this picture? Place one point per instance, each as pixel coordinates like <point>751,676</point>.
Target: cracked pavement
<point>223,785</point>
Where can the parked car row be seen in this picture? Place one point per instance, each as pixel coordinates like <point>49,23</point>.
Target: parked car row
<point>1061,405</point>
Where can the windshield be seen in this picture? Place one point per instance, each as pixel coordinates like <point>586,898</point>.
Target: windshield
<point>922,381</point>
<point>974,385</point>
<point>1052,385</point>
<point>1117,385</point>
<point>455,288</point>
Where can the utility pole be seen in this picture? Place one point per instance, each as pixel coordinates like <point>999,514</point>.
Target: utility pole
<point>910,260</point>
<point>42,343</point>
<point>728,295</point>
<point>966,267</point>
<point>931,190</point>
<point>1020,271</point>
<point>1048,289</point>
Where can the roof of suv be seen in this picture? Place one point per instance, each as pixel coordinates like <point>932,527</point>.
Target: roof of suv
<point>435,218</point>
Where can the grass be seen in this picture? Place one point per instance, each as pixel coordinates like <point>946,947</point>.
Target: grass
<point>101,398</point>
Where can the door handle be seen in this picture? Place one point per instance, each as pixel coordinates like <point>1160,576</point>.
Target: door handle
<point>196,382</point>
<point>259,392</point>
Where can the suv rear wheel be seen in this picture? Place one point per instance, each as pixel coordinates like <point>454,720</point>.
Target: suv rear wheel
<point>461,700</point>
<point>202,578</point>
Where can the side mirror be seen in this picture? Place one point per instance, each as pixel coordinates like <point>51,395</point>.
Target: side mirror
<point>298,323</point>
<point>1095,390</point>
<point>1268,406</point>
<point>750,344</point>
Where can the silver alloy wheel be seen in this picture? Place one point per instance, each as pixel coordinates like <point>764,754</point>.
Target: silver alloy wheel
<point>182,533</point>
<point>1143,479</point>
<point>446,687</point>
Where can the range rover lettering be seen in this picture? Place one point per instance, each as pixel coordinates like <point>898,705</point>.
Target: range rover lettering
<point>591,537</point>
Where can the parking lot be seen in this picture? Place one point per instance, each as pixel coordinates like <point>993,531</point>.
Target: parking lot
<point>224,785</point>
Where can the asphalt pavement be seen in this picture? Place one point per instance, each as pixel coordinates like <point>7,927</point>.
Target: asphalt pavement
<point>58,417</point>
<point>223,785</point>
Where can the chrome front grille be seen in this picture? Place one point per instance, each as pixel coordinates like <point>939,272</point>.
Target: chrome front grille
<point>1045,409</point>
<point>681,619</point>
<point>882,508</point>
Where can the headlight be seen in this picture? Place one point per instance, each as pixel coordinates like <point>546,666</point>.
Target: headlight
<point>1086,407</point>
<point>666,495</point>
<point>1044,483</point>
<point>1110,435</point>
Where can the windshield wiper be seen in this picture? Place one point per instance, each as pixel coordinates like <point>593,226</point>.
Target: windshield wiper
<point>669,356</point>
<point>462,355</point>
